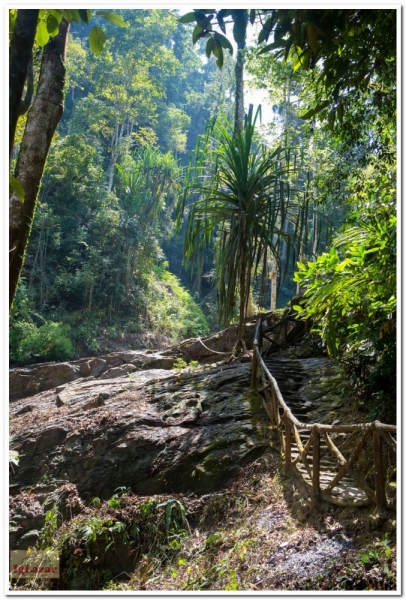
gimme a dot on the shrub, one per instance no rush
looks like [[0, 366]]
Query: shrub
[[30, 344]]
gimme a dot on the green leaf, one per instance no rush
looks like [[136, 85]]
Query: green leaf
[[252, 16], [268, 47], [42, 35], [84, 16], [203, 21], [218, 53], [297, 308], [16, 187], [221, 15], [240, 28], [196, 33], [188, 18], [209, 46], [73, 15], [263, 36], [52, 25], [313, 111], [113, 18], [223, 41], [97, 39]]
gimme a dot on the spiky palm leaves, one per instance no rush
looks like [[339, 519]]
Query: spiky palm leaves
[[244, 199]]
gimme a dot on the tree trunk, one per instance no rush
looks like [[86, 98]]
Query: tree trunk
[[244, 291], [239, 89], [42, 121], [19, 58]]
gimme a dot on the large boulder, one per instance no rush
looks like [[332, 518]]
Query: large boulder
[[155, 432], [34, 379]]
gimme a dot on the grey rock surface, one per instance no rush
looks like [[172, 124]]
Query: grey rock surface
[[155, 432]]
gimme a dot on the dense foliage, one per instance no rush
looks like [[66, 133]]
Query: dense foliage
[[351, 294], [104, 266], [95, 267]]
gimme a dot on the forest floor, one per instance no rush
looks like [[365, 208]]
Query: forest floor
[[260, 535]]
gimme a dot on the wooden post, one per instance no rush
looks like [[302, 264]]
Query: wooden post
[[257, 344], [276, 408], [316, 464], [260, 337], [379, 471], [288, 444], [254, 367]]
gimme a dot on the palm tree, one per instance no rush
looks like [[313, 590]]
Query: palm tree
[[244, 199]]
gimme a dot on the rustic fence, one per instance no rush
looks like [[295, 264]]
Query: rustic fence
[[310, 449]]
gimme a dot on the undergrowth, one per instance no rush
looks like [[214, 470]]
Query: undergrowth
[[246, 537]]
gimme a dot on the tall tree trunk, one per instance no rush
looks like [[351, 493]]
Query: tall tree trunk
[[20, 54], [245, 285], [239, 88], [240, 18], [42, 121]]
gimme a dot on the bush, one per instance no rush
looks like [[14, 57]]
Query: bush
[[30, 344], [171, 309]]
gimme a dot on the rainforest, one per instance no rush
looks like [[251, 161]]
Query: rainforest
[[203, 219]]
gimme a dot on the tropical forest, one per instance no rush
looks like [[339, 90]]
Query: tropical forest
[[202, 300]]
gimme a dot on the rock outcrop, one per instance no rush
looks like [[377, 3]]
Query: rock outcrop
[[31, 380], [155, 431]]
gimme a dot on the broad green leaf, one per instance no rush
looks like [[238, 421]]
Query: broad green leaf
[[221, 15], [223, 41], [296, 65], [188, 18], [239, 29], [297, 308], [314, 111], [218, 53], [113, 18], [252, 16], [52, 25], [84, 16], [267, 48], [16, 187], [203, 20], [196, 33], [42, 35], [209, 46], [263, 36], [97, 39], [73, 15]]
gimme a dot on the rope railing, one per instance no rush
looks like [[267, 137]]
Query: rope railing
[[322, 485]]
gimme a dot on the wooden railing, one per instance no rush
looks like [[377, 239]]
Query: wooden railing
[[334, 485]]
